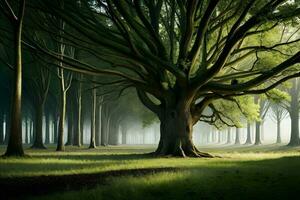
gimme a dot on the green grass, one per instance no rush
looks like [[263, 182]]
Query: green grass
[[265, 172]]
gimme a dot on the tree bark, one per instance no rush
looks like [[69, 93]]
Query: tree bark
[[176, 133], [14, 147]]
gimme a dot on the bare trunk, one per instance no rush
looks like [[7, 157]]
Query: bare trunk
[[14, 147], [38, 136], [47, 121], [70, 128], [278, 139], [294, 139], [61, 125], [1, 129], [124, 134], [55, 130], [294, 114], [98, 124], [237, 136], [78, 131], [248, 141], [93, 119], [228, 136], [257, 133], [26, 131]]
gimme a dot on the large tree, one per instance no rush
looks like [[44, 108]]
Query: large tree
[[15, 18], [181, 56]]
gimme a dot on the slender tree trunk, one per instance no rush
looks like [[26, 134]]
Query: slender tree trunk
[[31, 131], [105, 129], [294, 114], [278, 139], [55, 130], [237, 136], [93, 119], [98, 124], [219, 135], [47, 131], [61, 125], [294, 139], [124, 134], [26, 131], [257, 133], [14, 147], [70, 128], [7, 128], [78, 128], [38, 136], [248, 141], [228, 136], [1, 129]]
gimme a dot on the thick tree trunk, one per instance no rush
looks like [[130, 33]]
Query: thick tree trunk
[[176, 133], [61, 125], [278, 139], [248, 141], [93, 119], [257, 134], [14, 147], [38, 136]]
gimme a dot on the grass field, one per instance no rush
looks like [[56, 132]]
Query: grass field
[[265, 172]]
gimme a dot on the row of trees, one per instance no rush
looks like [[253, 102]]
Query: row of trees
[[187, 60]]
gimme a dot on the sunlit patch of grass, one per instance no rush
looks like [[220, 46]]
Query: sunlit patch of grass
[[81, 160]]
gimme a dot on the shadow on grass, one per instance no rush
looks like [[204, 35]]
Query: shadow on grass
[[263, 179], [258, 179], [21, 187]]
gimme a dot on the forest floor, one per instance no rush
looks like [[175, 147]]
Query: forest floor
[[126, 172]]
